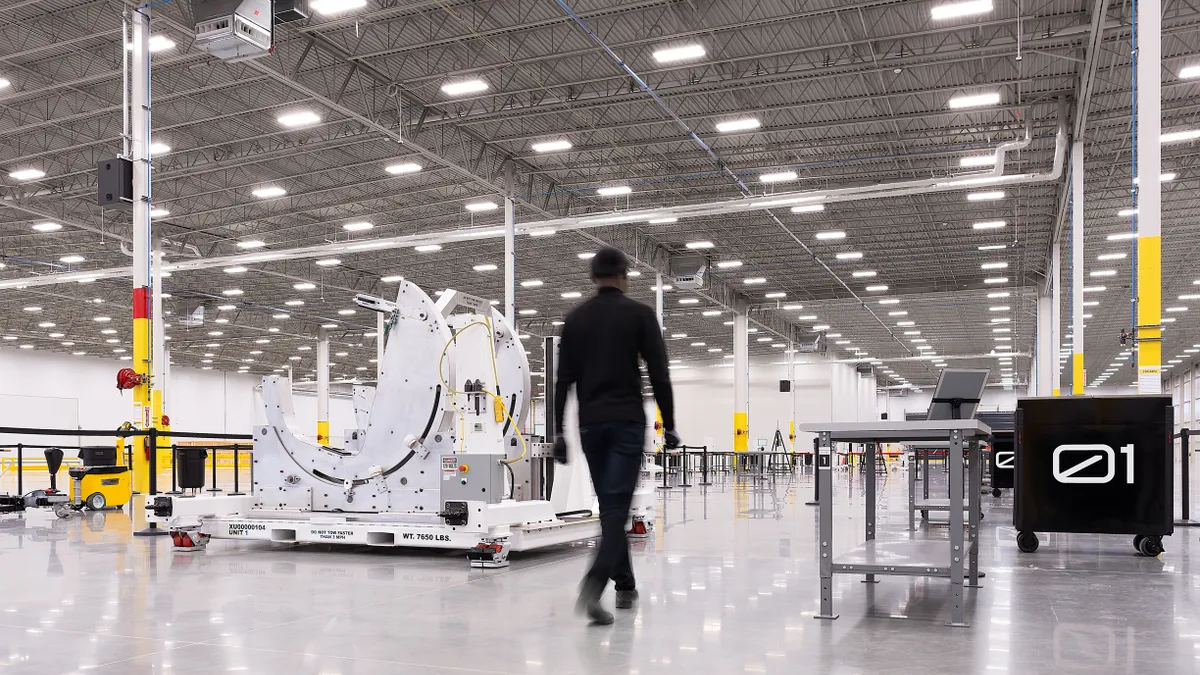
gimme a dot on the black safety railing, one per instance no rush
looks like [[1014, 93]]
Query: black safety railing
[[151, 437], [1185, 478]]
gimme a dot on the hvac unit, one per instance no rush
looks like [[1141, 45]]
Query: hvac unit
[[234, 29], [864, 370], [291, 10], [687, 271]]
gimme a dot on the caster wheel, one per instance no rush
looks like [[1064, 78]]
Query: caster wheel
[[63, 510], [1137, 543], [924, 515], [1151, 547], [996, 492], [1027, 542], [95, 502]]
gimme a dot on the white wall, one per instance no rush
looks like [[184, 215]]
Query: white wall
[[824, 391], [47, 390]]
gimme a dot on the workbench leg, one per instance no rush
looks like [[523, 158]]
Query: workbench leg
[[973, 492], [925, 472], [825, 518], [957, 550], [869, 456]]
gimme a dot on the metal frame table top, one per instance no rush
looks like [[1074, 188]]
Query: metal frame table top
[[936, 558]]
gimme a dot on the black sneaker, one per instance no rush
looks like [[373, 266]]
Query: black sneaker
[[589, 604], [625, 599]]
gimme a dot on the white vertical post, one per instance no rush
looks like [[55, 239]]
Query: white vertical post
[[1045, 352], [510, 249], [140, 151], [741, 380], [323, 386], [380, 329], [658, 301], [1149, 196], [1056, 319], [1077, 270]]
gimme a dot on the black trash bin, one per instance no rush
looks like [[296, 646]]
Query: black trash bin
[[98, 455], [1100, 464], [189, 470]]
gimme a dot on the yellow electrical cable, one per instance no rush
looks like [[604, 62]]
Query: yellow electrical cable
[[496, 398]]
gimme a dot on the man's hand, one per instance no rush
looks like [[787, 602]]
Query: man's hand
[[560, 450], [671, 439]]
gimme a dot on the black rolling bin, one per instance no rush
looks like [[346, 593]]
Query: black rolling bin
[[1095, 464]]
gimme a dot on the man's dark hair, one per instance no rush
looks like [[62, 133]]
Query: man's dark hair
[[609, 263]]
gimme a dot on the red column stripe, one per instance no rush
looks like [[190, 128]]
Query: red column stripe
[[141, 303]]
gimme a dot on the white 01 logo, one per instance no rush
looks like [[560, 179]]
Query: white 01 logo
[[1095, 453], [1004, 459]]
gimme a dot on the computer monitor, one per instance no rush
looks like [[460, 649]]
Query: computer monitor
[[957, 394]]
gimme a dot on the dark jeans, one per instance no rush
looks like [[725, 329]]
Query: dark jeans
[[614, 456]]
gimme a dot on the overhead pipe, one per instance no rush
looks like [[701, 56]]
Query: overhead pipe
[[594, 220]]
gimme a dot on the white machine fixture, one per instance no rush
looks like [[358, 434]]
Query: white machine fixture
[[433, 465]]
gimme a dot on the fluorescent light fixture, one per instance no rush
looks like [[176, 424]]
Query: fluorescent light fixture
[[711, 312], [855, 255], [754, 281], [463, 87], [527, 312], [392, 279], [904, 324], [681, 53], [775, 296], [1092, 303], [993, 247], [1126, 212], [985, 196], [551, 146], [235, 270], [304, 286], [1189, 72], [663, 221], [27, 174], [614, 190], [1001, 319], [159, 213], [1189, 296], [834, 234], [357, 226], [1165, 177], [571, 295], [877, 289], [47, 227], [157, 43], [744, 124], [863, 274], [1111, 256], [1177, 309], [232, 292], [268, 192], [1122, 236], [996, 280], [403, 168], [1001, 294], [818, 328], [975, 100], [777, 177], [4, 83], [328, 262], [807, 317], [999, 308], [1177, 136], [159, 148], [532, 283], [299, 118], [808, 208], [102, 319], [475, 207], [973, 161], [542, 233], [1103, 273], [69, 259], [729, 264], [900, 312], [989, 225], [699, 245], [889, 301], [427, 248], [689, 301], [994, 266], [486, 267]]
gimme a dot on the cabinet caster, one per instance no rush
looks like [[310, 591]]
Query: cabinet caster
[[996, 492], [1137, 542], [1151, 546], [1027, 542]]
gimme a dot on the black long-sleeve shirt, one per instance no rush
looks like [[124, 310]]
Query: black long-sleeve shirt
[[598, 353]]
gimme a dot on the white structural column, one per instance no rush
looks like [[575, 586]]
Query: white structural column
[[380, 343], [741, 380], [140, 150], [323, 386], [158, 338], [1045, 351], [510, 249], [1056, 319], [1077, 269], [658, 301], [1149, 196]]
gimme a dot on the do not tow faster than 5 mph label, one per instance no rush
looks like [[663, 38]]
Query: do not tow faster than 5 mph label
[[449, 467]]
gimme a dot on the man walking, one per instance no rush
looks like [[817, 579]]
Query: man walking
[[598, 353]]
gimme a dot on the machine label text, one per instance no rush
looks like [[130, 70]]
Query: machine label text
[[338, 535], [421, 536], [241, 529]]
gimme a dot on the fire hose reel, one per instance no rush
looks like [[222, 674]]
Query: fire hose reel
[[128, 378]]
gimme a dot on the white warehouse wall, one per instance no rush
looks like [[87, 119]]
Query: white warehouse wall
[[824, 391], [46, 389]]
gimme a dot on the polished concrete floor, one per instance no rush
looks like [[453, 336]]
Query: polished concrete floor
[[728, 583]]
